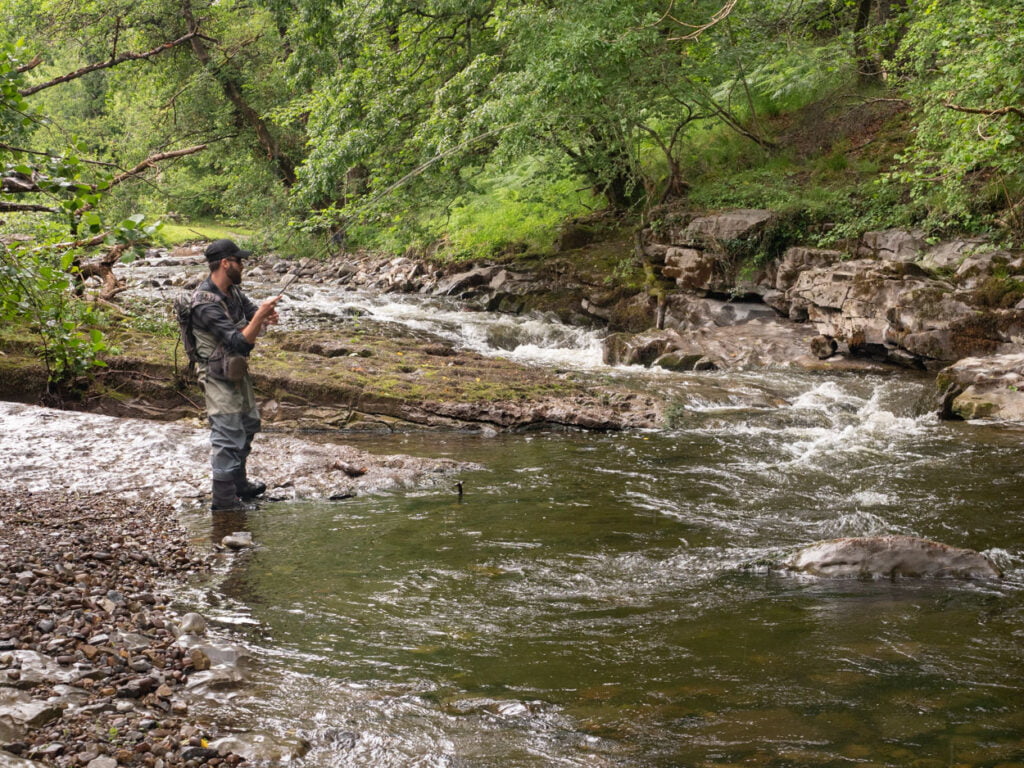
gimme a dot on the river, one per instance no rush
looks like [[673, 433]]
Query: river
[[615, 600]]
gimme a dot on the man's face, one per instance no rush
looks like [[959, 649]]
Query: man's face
[[233, 268]]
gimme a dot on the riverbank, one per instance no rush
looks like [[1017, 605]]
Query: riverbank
[[96, 666], [90, 672]]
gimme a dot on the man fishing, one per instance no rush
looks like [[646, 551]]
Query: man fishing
[[226, 324]]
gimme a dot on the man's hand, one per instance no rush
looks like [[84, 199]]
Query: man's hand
[[265, 315]]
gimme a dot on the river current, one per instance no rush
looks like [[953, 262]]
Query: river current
[[616, 600]]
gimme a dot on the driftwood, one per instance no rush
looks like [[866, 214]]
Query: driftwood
[[103, 268]]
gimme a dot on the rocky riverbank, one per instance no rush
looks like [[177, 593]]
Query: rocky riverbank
[[97, 668], [91, 671]]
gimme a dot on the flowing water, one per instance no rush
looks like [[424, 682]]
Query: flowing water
[[616, 600]]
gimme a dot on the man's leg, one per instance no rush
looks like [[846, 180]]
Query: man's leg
[[227, 442], [244, 488]]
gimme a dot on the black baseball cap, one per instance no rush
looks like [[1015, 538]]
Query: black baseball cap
[[225, 249]]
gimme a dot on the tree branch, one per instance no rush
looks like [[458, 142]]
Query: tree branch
[[989, 112], [152, 160], [7, 207], [113, 61], [68, 245], [697, 29], [36, 61]]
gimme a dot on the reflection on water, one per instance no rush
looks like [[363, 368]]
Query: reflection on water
[[607, 600]]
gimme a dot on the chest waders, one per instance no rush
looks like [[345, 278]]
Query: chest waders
[[234, 420]]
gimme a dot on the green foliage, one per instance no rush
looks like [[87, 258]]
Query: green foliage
[[512, 212], [957, 56], [37, 289]]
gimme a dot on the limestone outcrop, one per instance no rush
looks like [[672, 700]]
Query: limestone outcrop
[[984, 388]]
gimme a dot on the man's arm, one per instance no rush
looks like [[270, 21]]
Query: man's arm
[[212, 318]]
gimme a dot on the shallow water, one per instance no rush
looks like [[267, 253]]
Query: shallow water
[[614, 600], [609, 600]]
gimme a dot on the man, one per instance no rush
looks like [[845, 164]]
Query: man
[[226, 324]]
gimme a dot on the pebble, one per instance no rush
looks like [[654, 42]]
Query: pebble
[[87, 598]]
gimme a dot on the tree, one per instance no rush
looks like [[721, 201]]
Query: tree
[[38, 276], [963, 67], [418, 95]]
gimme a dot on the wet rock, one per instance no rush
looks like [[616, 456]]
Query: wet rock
[[199, 753], [891, 557], [685, 313], [258, 747], [989, 387], [102, 762], [823, 347], [461, 284], [637, 349], [9, 760], [238, 540], [193, 624], [20, 713], [679, 361]]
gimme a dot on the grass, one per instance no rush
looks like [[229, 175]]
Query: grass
[[175, 234]]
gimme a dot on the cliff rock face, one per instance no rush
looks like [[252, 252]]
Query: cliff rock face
[[890, 296]]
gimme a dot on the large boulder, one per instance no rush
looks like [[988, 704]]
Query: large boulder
[[891, 557], [637, 348], [691, 268], [867, 303], [983, 387], [741, 224], [893, 245]]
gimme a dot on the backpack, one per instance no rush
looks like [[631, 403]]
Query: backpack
[[182, 305]]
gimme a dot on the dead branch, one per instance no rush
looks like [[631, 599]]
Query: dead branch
[[697, 29], [103, 268], [11, 148], [113, 61], [36, 61], [989, 112], [67, 246], [7, 207]]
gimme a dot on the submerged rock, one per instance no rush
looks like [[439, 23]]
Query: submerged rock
[[261, 748], [889, 557]]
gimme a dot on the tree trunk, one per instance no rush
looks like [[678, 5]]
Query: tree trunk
[[233, 91], [867, 67]]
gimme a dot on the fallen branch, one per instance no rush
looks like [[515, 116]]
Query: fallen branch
[[989, 112]]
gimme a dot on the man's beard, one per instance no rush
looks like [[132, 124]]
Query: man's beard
[[235, 274]]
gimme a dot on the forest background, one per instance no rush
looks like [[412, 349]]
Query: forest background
[[475, 129]]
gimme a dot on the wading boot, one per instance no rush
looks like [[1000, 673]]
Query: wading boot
[[225, 498], [245, 489]]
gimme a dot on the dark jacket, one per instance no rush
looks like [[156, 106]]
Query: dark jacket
[[211, 318]]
